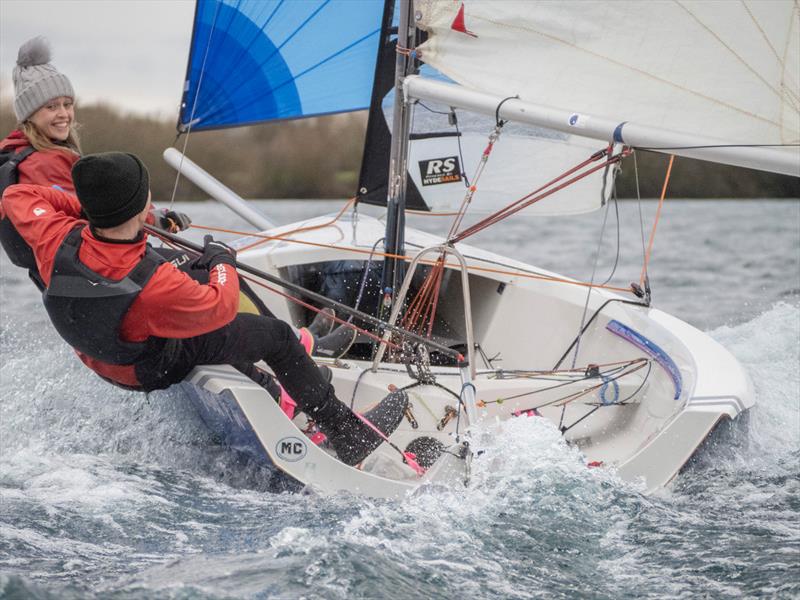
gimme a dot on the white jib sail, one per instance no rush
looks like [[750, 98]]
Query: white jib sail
[[727, 70]]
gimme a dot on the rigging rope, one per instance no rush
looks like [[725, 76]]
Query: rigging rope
[[452, 119], [462, 210], [619, 369], [187, 246], [194, 106], [628, 369], [422, 311], [543, 191], [565, 429], [594, 269], [283, 235], [646, 278], [517, 272], [655, 223]]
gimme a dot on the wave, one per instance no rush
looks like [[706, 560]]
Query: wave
[[106, 491]]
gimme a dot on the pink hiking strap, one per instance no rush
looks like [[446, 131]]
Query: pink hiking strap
[[317, 438], [306, 340], [287, 404], [409, 456]]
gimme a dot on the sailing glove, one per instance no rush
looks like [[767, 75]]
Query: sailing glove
[[215, 252], [172, 220]]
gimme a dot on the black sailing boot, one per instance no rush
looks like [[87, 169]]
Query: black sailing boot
[[335, 344], [351, 438], [323, 323]]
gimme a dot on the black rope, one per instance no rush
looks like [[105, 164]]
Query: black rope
[[452, 119], [616, 213], [608, 150], [364, 277], [498, 121], [407, 387], [460, 152], [434, 384], [617, 373], [486, 360], [562, 384], [589, 322], [429, 109], [641, 385], [355, 387], [547, 389]]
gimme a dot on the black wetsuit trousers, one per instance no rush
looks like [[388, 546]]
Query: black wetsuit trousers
[[244, 341]]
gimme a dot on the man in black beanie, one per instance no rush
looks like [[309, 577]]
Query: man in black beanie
[[139, 322], [112, 187]]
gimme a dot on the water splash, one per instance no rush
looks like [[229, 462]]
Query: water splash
[[105, 493]]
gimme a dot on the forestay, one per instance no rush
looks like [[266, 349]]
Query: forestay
[[728, 70], [260, 60]]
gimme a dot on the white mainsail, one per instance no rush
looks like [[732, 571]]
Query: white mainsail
[[725, 70]]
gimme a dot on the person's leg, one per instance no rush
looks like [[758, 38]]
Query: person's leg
[[245, 340], [260, 377], [250, 338]]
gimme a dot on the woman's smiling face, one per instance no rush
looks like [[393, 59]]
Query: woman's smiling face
[[55, 118]]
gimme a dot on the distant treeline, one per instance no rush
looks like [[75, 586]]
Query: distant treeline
[[309, 158], [320, 158]]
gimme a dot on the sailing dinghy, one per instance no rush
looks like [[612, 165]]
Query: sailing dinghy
[[484, 110]]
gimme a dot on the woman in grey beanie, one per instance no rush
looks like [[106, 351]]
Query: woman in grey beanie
[[44, 145], [44, 107]]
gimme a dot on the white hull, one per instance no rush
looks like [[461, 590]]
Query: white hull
[[530, 322]]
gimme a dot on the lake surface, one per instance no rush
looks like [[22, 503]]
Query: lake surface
[[111, 494]]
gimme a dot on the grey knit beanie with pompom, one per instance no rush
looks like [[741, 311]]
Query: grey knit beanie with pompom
[[36, 81]]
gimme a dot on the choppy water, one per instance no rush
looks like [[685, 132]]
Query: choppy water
[[105, 494]]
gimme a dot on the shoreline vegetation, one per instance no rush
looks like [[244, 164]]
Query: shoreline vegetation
[[320, 158]]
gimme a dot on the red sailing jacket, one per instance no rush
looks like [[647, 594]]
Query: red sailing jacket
[[171, 305], [46, 167]]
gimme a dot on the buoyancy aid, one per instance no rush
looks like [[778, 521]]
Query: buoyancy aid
[[87, 309], [16, 248]]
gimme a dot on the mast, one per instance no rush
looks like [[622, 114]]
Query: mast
[[395, 205]]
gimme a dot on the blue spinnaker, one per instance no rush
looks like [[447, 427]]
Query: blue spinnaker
[[261, 60]]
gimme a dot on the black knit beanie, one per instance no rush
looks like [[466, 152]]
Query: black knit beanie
[[112, 187]]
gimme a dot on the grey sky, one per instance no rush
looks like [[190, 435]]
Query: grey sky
[[130, 53]]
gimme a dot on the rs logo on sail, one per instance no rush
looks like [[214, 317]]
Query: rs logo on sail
[[440, 170]]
